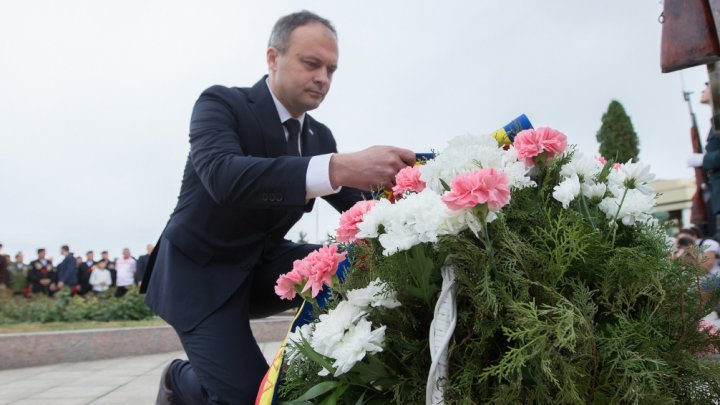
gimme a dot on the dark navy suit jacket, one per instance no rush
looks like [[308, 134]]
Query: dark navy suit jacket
[[240, 195]]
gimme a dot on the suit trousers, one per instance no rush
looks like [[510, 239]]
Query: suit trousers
[[225, 363]]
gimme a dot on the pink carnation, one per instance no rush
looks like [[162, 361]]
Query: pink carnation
[[285, 286], [322, 265], [601, 159], [532, 142], [350, 219], [408, 179], [316, 269], [478, 187]]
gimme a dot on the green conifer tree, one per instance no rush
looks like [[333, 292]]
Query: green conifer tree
[[617, 137]]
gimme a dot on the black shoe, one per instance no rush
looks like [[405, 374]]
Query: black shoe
[[165, 394]]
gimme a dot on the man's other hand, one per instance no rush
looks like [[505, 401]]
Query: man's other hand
[[369, 168]]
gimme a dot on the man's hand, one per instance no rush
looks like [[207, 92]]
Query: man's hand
[[695, 160], [369, 168]]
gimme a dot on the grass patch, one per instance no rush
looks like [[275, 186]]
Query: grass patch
[[28, 327]]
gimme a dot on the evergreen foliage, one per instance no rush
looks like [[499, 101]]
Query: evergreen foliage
[[617, 137], [555, 305]]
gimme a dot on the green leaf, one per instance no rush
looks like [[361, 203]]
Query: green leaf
[[445, 185], [333, 398], [315, 391]]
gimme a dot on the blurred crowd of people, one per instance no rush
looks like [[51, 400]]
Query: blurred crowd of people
[[693, 247], [79, 276]]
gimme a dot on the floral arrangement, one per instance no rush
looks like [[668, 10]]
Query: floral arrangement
[[563, 287]]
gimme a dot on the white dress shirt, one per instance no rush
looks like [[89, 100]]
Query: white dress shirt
[[317, 177]]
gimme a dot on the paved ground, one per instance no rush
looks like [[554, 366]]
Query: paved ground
[[126, 380]]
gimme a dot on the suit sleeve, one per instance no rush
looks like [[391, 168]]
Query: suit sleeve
[[230, 176], [346, 198]]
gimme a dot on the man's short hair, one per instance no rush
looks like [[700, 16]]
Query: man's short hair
[[280, 35], [40, 250], [65, 248], [690, 231], [89, 252], [104, 252]]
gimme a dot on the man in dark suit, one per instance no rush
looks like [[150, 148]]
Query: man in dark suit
[[84, 270], [142, 263], [256, 163], [67, 270]]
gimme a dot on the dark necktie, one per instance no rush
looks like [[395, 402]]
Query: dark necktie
[[293, 127]]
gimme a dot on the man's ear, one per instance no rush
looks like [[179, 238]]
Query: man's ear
[[271, 56]]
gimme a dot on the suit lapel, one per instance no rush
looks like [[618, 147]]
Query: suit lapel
[[309, 140], [261, 102]]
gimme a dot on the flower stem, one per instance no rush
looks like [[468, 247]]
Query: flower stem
[[584, 203], [491, 252], [617, 213]]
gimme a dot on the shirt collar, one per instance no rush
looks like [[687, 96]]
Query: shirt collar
[[282, 111]]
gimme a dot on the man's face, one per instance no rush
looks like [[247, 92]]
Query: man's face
[[19, 258], [126, 253], [301, 77], [705, 95], [105, 256], [90, 256], [41, 254]]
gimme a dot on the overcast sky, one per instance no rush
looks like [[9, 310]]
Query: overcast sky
[[97, 95]]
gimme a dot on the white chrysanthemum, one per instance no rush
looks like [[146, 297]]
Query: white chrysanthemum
[[417, 218], [372, 220], [518, 175], [294, 340], [359, 340], [331, 327], [585, 167], [636, 207], [567, 190], [638, 176], [376, 294], [594, 191], [463, 154]]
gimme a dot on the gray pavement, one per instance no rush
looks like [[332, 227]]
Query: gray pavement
[[124, 380]]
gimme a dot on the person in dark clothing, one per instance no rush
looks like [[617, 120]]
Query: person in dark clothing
[[42, 275], [710, 162], [4, 275], [110, 266], [142, 263], [84, 271], [67, 270]]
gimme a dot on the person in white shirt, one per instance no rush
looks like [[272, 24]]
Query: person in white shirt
[[125, 267], [100, 278]]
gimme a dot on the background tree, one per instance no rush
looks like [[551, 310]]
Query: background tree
[[617, 137]]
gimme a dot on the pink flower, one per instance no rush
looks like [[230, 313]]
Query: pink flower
[[350, 219], [408, 179], [285, 286], [617, 166], [478, 187], [322, 265], [530, 143], [601, 159], [708, 328], [316, 269]]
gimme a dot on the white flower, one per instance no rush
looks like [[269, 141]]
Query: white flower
[[372, 220], [585, 167], [294, 340], [636, 207], [463, 154], [567, 190], [376, 294], [331, 327], [359, 340], [637, 175], [594, 190], [417, 218]]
